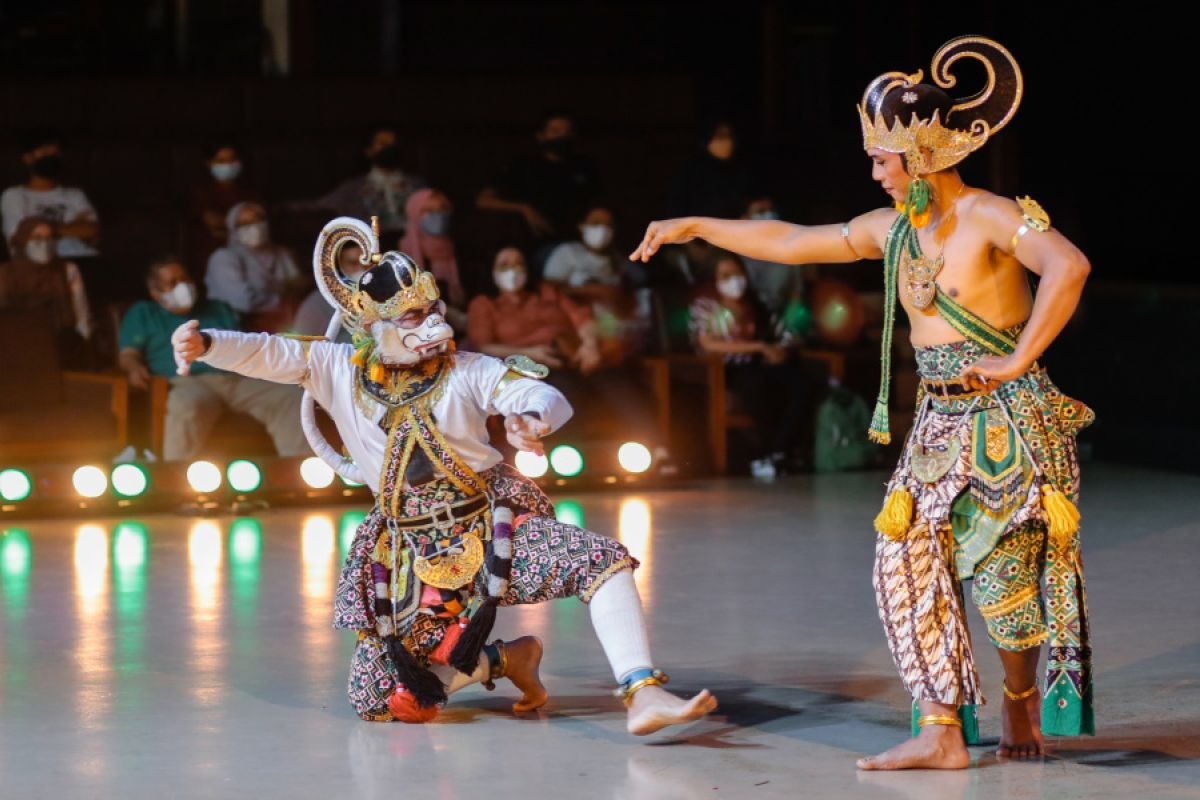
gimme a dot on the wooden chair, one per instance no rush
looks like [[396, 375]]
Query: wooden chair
[[48, 414], [720, 415]]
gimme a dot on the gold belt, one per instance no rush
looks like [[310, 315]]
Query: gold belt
[[443, 516]]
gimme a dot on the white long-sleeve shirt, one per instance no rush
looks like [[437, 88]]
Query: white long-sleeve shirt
[[470, 395]]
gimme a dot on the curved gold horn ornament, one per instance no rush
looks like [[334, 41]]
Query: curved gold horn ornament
[[934, 144], [339, 290], [998, 101]]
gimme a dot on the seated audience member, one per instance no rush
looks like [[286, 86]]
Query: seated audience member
[[728, 320], [43, 195], [312, 318], [427, 241], [554, 330], [37, 276], [714, 182], [590, 271], [383, 191], [776, 285], [549, 188], [257, 278], [211, 200], [197, 400]]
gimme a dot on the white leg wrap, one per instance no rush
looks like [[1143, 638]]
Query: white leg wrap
[[620, 625]]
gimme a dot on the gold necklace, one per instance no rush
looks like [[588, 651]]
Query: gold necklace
[[921, 272]]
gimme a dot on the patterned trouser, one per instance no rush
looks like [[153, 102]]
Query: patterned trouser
[[1006, 590], [551, 560]]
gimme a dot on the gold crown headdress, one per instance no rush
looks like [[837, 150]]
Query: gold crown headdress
[[409, 286], [934, 144]]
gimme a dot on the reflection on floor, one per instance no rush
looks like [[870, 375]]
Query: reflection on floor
[[167, 656]]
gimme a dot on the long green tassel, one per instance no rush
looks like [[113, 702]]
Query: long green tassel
[[896, 240]]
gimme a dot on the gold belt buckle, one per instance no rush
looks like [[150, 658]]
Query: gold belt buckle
[[442, 516]]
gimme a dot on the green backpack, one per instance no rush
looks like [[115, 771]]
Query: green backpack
[[841, 432]]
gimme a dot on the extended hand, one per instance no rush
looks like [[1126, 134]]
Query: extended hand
[[668, 231], [525, 432], [188, 345], [990, 371]]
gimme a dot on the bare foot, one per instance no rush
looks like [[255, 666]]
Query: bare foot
[[937, 747], [654, 708], [1022, 728], [524, 659]]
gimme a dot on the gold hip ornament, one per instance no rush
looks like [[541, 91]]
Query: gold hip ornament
[[928, 466], [452, 570]]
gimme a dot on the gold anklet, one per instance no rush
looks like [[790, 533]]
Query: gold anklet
[[939, 719], [626, 692], [1014, 696]]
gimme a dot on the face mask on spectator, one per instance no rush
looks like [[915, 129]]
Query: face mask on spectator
[[181, 298], [226, 172], [510, 280], [254, 234], [47, 166], [596, 237], [387, 157], [768, 214], [436, 223], [40, 251], [732, 287]]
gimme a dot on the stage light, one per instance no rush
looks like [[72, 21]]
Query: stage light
[[14, 485], [348, 527], [570, 512], [204, 477], [634, 457], [566, 460], [243, 476], [129, 480], [316, 473], [89, 481], [531, 465]]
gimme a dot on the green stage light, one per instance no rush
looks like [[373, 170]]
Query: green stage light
[[129, 480], [15, 485], [566, 460], [243, 476]]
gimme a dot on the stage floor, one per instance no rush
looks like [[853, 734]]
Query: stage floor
[[171, 657]]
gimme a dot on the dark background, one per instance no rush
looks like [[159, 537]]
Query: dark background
[[138, 88]]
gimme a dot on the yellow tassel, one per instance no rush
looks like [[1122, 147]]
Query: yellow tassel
[[901, 207], [921, 220], [377, 373], [896, 517], [1062, 514]]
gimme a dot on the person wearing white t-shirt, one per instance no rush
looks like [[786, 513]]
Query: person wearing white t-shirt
[[76, 224]]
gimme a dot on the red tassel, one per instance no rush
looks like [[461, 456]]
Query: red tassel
[[404, 707]]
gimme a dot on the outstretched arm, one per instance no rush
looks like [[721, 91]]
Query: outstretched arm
[[772, 240], [255, 355], [1063, 270]]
